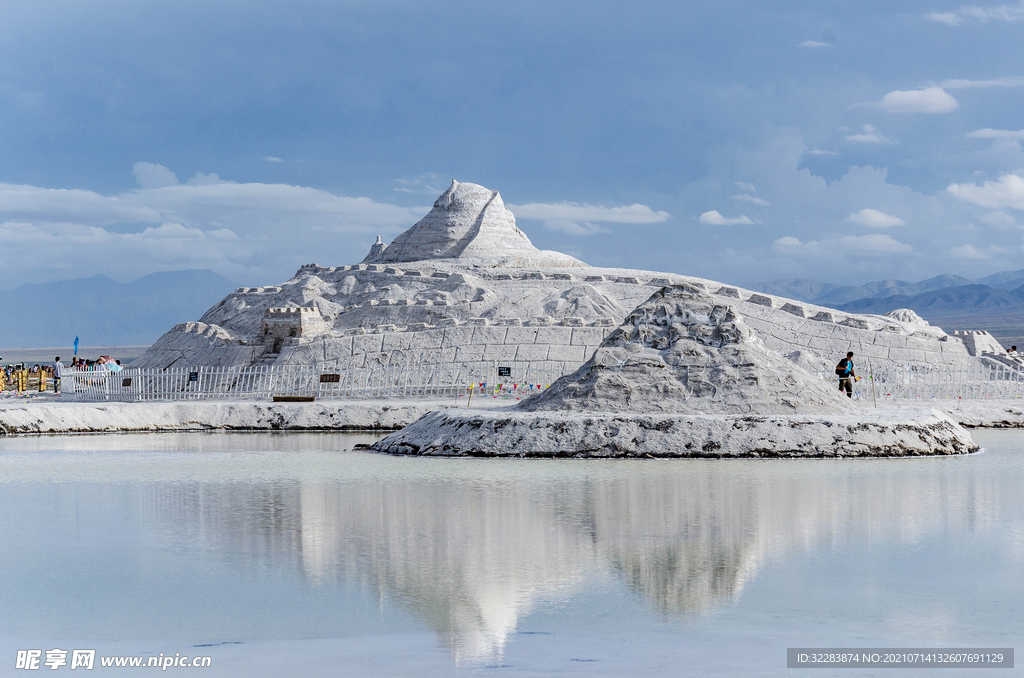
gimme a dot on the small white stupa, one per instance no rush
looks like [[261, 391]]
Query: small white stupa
[[376, 250]]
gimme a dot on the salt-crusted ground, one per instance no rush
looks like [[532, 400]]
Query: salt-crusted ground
[[51, 416], [979, 413]]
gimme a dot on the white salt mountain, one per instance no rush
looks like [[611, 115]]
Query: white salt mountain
[[682, 351], [465, 284], [683, 377], [469, 222]]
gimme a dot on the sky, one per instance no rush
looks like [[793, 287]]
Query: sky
[[735, 141]]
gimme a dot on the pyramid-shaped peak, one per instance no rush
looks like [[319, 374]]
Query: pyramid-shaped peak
[[684, 352], [462, 194], [469, 221]]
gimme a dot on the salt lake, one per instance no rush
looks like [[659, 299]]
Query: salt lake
[[293, 554]]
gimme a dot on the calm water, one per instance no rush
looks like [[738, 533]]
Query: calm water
[[291, 555]]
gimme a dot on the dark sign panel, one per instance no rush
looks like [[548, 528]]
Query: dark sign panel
[[193, 376], [330, 378], [126, 382], [504, 371]]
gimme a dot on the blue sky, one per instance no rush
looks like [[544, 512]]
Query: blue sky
[[736, 141]]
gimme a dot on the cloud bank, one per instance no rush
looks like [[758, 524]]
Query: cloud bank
[[1010, 13], [874, 245], [1007, 191], [875, 219], [714, 218], [582, 219], [931, 100], [243, 231]]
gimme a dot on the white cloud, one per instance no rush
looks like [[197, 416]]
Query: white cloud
[[744, 186], [948, 18], [580, 219], [870, 136], [813, 43], [714, 218], [1010, 81], [751, 199], [1007, 191], [273, 158], [1000, 220], [930, 100], [818, 151], [973, 253], [429, 183], [997, 134], [1009, 13], [241, 230], [875, 219], [574, 227], [201, 179], [571, 211], [148, 175], [874, 244]]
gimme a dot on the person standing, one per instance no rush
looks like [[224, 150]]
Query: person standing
[[846, 374], [58, 370]]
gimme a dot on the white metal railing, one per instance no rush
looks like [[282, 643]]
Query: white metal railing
[[902, 381], [484, 378], [395, 380]]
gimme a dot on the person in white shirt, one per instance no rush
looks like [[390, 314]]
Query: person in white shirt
[[58, 369]]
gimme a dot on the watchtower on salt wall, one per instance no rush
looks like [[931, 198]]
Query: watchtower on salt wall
[[292, 327]]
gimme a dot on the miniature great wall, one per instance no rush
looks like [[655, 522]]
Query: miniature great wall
[[465, 284]]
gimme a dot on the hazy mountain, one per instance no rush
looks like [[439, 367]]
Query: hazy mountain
[[104, 312], [1002, 279], [952, 302], [945, 302], [968, 307], [802, 289], [828, 294]]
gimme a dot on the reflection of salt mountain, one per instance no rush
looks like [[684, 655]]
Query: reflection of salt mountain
[[472, 553], [683, 546], [470, 562]]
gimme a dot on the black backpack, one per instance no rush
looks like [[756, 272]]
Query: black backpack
[[841, 367]]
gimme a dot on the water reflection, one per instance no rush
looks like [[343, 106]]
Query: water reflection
[[472, 546]]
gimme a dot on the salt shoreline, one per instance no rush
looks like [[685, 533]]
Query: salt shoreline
[[52, 417]]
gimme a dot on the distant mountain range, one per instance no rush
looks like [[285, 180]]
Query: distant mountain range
[[104, 312], [994, 303], [827, 294]]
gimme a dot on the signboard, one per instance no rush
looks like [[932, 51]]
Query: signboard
[[126, 382], [330, 378], [504, 371], [193, 376]]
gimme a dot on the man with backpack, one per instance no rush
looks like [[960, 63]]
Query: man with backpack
[[844, 370]]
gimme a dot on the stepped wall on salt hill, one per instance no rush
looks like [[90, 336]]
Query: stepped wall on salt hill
[[466, 284]]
